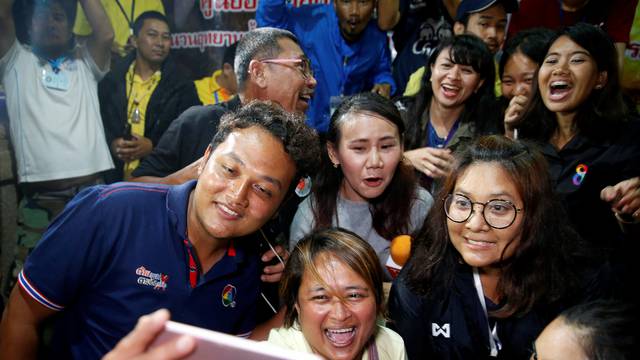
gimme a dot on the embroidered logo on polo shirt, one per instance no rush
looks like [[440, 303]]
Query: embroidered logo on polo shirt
[[156, 280], [443, 330], [581, 172], [229, 296]]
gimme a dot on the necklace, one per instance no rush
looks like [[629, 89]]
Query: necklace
[[134, 98]]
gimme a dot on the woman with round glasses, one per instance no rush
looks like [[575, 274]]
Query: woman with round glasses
[[494, 262]]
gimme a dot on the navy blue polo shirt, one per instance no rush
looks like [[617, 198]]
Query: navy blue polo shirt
[[117, 252]]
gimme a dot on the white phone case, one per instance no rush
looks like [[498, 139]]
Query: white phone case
[[213, 345]]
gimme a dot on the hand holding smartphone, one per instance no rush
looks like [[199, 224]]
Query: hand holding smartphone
[[126, 134]]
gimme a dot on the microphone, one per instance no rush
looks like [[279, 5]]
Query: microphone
[[400, 250]]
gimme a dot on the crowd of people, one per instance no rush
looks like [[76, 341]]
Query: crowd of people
[[263, 201]]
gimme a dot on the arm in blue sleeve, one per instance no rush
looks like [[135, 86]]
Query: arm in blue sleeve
[[274, 13], [382, 74], [71, 252]]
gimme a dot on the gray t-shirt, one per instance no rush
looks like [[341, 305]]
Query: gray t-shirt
[[356, 216]]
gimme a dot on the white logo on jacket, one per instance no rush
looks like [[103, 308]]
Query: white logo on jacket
[[443, 330]]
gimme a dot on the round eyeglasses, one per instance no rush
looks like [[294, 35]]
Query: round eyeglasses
[[498, 214], [303, 65]]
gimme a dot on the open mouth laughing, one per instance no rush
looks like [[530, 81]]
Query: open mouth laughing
[[341, 337], [450, 90], [559, 90]]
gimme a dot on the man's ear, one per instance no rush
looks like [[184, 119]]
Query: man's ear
[[205, 159], [257, 73], [130, 40], [133, 40], [333, 153], [458, 28]]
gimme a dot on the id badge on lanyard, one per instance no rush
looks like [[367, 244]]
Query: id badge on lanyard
[[54, 78]]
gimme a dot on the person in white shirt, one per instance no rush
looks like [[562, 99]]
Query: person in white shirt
[[54, 115]]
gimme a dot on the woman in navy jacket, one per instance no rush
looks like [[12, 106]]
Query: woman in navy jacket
[[589, 139], [494, 262]]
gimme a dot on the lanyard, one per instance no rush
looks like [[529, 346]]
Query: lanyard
[[129, 19], [56, 63], [435, 141], [194, 272], [494, 341]]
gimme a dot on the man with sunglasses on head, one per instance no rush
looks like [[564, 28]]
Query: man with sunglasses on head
[[348, 52], [175, 158]]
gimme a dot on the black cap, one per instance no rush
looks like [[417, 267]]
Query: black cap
[[467, 7]]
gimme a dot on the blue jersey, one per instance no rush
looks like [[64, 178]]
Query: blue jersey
[[118, 252], [340, 67]]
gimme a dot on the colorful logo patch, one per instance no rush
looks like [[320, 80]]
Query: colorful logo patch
[[229, 296], [581, 172], [304, 187], [156, 280]]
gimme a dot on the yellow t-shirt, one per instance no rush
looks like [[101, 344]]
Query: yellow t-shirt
[[118, 20], [413, 85], [209, 91], [138, 95], [497, 89]]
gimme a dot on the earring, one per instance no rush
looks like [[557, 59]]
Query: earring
[[335, 165], [599, 86]]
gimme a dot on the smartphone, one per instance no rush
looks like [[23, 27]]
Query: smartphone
[[213, 345], [126, 133]]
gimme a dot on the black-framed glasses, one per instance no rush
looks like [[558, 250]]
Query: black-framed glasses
[[303, 65], [498, 214]]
